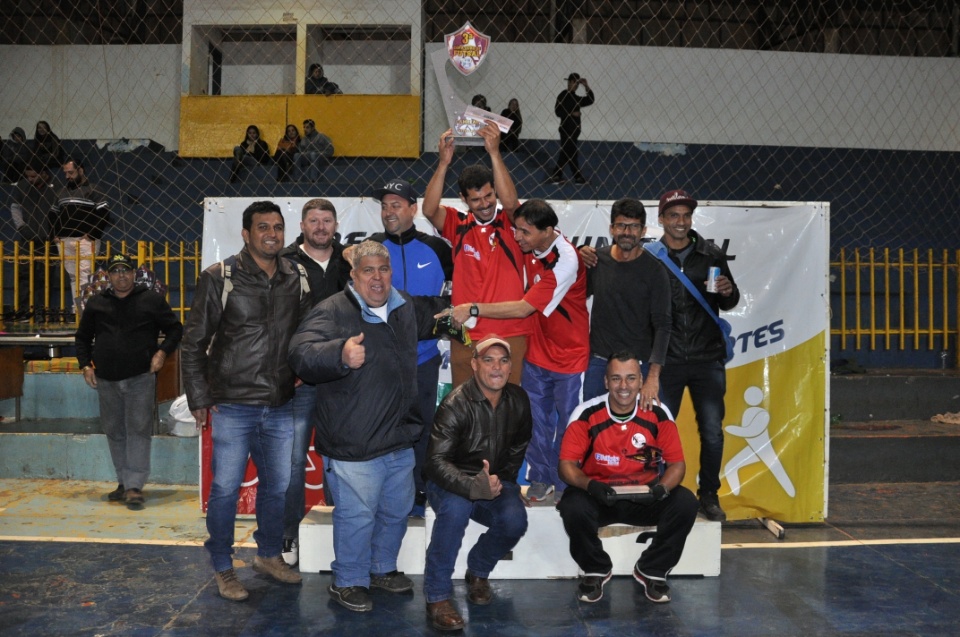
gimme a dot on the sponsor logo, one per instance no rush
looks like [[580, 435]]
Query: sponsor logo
[[638, 440], [421, 266], [471, 251], [604, 459], [760, 337]]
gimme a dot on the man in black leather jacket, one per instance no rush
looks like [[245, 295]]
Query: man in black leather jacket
[[479, 438], [695, 357], [234, 363]]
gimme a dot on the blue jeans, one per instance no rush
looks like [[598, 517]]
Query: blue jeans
[[505, 518], [596, 371], [266, 435], [707, 383], [553, 397], [126, 415], [373, 498], [304, 402]]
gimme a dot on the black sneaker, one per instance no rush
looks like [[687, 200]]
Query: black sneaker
[[656, 590], [591, 587], [394, 582], [710, 507], [355, 598], [117, 495]]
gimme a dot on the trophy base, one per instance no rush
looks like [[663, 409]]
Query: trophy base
[[467, 140]]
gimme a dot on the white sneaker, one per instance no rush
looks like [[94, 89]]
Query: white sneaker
[[538, 491], [291, 551]]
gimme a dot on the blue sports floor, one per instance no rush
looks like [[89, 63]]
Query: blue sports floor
[[887, 562]]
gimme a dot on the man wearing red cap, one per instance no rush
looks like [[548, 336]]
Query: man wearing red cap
[[477, 444], [697, 351]]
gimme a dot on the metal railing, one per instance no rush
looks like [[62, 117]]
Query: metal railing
[[176, 265], [901, 299]]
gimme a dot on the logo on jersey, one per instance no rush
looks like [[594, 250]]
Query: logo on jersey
[[638, 440], [604, 459], [471, 251]]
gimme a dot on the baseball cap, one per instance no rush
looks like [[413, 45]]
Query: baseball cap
[[396, 187], [574, 77], [489, 342], [673, 198], [118, 261]]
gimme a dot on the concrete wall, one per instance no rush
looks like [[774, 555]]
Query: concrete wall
[[713, 96], [92, 92], [691, 96]]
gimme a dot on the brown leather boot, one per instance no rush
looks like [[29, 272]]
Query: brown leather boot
[[478, 590], [444, 616]]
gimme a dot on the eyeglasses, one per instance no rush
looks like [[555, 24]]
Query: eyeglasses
[[632, 227], [121, 271]]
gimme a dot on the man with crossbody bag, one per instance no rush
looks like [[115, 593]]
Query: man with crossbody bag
[[699, 340]]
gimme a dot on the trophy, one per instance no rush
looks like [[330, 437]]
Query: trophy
[[466, 50]]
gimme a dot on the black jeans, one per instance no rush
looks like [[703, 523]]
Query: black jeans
[[583, 515], [707, 383], [569, 154]]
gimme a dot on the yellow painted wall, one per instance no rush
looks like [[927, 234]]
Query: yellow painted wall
[[359, 125]]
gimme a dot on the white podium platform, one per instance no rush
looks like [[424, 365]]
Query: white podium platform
[[543, 553]]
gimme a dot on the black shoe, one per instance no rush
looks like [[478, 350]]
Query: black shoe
[[581, 181], [557, 181], [394, 582], [117, 494], [656, 590], [355, 598], [591, 587], [134, 497], [710, 507]]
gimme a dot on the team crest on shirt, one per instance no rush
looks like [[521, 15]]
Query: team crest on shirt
[[638, 440], [471, 251]]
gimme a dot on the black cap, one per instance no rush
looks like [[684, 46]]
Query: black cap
[[120, 260], [396, 187], [573, 77]]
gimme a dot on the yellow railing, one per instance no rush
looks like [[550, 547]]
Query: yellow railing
[[177, 265], [894, 299]]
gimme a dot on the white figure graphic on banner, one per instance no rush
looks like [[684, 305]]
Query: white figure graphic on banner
[[753, 429]]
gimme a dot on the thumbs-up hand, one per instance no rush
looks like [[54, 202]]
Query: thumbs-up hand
[[354, 353], [494, 480]]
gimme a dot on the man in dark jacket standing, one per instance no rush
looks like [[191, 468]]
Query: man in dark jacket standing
[[477, 445], [80, 217], [321, 255], [361, 345], [567, 108], [695, 357], [234, 363], [118, 353]]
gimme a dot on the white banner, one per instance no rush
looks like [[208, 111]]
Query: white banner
[[776, 413]]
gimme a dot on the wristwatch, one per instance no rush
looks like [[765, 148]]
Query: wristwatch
[[474, 310]]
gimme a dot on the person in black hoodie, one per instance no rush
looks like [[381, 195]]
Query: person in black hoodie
[[118, 353]]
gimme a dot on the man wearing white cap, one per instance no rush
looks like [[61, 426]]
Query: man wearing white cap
[[479, 438]]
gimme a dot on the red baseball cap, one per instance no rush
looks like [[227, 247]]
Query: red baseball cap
[[676, 198]]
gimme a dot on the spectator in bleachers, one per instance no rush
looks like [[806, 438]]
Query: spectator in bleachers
[[316, 150], [287, 148], [16, 155], [30, 210], [318, 84], [79, 218], [46, 146], [251, 151], [480, 101], [511, 140]]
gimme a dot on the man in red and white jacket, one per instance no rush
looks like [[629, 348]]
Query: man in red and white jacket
[[609, 443]]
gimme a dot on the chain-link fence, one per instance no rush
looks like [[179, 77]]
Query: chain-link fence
[[855, 103]]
